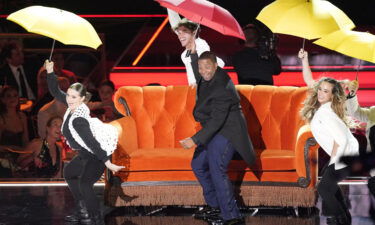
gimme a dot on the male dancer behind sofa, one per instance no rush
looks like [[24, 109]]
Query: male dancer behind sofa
[[224, 132]]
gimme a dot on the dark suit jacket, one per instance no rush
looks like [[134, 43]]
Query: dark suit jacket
[[7, 77], [219, 111]]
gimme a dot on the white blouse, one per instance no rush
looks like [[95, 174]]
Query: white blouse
[[328, 128], [200, 46]]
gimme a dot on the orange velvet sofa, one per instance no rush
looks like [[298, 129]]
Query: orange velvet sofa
[[158, 170]]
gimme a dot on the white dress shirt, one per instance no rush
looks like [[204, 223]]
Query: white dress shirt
[[200, 46], [328, 128]]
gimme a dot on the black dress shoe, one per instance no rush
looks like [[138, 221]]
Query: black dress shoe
[[332, 220], [79, 213], [206, 212], [95, 218], [235, 221], [338, 220]]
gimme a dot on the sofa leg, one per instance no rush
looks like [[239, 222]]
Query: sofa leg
[[296, 212], [256, 210]]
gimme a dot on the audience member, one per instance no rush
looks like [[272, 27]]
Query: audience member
[[105, 109], [13, 122], [15, 73], [47, 97], [46, 153]]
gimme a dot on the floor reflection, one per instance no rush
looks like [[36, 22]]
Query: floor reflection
[[48, 206]]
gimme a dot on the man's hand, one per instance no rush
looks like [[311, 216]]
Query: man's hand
[[187, 143], [191, 46], [49, 66], [353, 87]]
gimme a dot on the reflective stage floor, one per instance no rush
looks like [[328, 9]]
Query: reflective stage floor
[[47, 205]]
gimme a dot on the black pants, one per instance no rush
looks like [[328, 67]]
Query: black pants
[[81, 174], [371, 138], [330, 191]]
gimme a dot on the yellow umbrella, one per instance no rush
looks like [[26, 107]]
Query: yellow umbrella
[[360, 45], [58, 24], [309, 19]]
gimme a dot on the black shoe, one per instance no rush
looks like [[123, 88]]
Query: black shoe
[[206, 212], [332, 220], [344, 220], [338, 220], [236, 221], [79, 213], [95, 218], [220, 221]]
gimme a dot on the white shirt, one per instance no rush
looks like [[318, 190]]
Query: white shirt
[[18, 76], [366, 115], [200, 46], [328, 128]]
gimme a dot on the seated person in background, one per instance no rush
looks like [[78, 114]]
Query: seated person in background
[[105, 110], [257, 62], [42, 156], [46, 156], [13, 122], [16, 73], [51, 108], [13, 129]]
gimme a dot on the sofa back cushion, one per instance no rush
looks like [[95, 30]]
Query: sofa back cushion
[[163, 115], [272, 114]]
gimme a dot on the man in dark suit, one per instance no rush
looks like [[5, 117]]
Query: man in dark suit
[[224, 132], [13, 72]]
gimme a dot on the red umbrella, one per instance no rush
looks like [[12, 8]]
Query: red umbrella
[[206, 13]]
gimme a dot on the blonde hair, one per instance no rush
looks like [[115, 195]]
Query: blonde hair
[[311, 104]]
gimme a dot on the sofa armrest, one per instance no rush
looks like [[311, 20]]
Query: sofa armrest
[[306, 157], [127, 140]]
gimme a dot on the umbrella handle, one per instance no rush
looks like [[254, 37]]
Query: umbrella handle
[[359, 65], [53, 46], [188, 52], [303, 44]]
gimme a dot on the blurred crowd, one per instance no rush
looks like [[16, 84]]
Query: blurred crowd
[[31, 144]]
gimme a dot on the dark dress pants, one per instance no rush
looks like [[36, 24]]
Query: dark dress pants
[[329, 190], [210, 165], [81, 174]]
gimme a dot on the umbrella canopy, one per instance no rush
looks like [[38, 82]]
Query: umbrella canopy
[[360, 45], [64, 26], [309, 19], [206, 13]]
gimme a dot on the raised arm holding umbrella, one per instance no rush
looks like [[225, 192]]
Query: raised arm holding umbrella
[[196, 13]]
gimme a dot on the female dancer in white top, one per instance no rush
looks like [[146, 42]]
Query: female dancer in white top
[[94, 142], [324, 110]]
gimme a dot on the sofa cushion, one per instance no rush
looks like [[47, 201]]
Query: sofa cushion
[[179, 159]]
